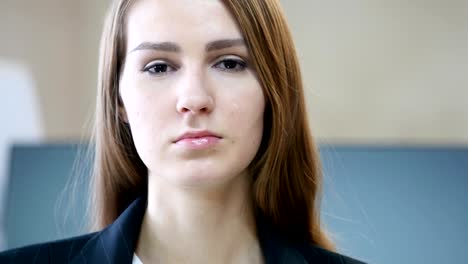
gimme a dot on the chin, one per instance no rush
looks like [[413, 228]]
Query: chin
[[203, 177]]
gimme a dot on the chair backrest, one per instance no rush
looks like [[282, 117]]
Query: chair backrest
[[40, 205], [389, 204], [20, 119], [382, 204]]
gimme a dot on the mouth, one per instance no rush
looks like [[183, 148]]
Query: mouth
[[197, 135]]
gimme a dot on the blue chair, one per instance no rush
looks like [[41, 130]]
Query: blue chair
[[382, 204]]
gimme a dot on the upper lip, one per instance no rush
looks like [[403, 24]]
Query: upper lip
[[197, 134]]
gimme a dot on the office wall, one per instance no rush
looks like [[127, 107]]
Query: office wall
[[375, 71], [42, 36], [385, 71]]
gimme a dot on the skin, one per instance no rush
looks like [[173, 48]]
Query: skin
[[199, 204]]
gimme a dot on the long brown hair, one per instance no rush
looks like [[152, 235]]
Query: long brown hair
[[287, 174]]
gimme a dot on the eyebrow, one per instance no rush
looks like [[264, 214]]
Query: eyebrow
[[224, 44], [173, 47], [162, 46]]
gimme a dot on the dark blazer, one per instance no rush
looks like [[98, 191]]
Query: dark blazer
[[116, 244]]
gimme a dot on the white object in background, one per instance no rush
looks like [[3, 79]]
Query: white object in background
[[20, 120]]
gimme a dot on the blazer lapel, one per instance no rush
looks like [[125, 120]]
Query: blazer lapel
[[275, 248], [116, 243]]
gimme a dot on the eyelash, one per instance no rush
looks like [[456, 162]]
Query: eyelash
[[239, 63]]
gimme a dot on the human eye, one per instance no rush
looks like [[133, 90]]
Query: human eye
[[158, 68], [231, 64]]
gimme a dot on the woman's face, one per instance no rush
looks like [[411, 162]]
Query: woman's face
[[190, 95]]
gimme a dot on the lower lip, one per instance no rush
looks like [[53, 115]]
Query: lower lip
[[198, 143]]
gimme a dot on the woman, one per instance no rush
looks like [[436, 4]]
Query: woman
[[203, 152]]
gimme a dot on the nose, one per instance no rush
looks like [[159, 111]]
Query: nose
[[195, 104], [194, 97]]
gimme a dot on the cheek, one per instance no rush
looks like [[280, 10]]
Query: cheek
[[246, 114], [147, 113], [145, 103], [247, 122], [139, 112], [142, 124], [148, 125]]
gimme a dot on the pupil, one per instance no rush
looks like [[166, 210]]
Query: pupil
[[230, 64], [160, 68]]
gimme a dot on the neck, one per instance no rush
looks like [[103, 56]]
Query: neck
[[188, 225]]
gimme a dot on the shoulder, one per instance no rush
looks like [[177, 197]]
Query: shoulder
[[315, 254], [278, 249], [59, 251]]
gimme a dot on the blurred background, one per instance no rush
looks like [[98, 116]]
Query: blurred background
[[387, 91]]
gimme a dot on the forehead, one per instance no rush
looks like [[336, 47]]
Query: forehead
[[180, 21]]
